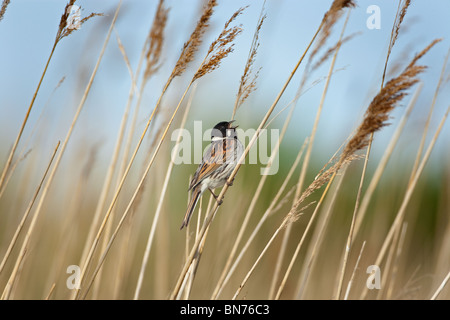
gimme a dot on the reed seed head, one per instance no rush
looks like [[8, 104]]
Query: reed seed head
[[399, 19], [375, 118], [3, 8], [71, 20], [156, 36], [329, 20], [248, 83], [221, 47], [385, 101], [195, 40]]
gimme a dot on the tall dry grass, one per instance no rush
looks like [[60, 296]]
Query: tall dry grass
[[310, 231]]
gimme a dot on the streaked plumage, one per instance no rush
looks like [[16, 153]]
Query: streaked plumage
[[219, 160]]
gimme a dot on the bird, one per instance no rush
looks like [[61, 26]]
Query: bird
[[218, 162]]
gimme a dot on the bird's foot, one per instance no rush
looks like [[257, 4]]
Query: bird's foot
[[230, 183], [219, 202]]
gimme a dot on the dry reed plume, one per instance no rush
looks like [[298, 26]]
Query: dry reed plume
[[3, 8], [399, 17], [397, 23], [329, 20], [192, 45], [220, 48], [71, 21], [248, 79], [153, 54], [375, 118]]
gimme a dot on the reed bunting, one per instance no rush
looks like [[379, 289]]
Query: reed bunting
[[219, 160]]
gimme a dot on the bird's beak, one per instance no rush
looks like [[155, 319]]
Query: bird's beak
[[229, 125]]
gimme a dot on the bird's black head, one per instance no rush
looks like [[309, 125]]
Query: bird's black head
[[223, 129]]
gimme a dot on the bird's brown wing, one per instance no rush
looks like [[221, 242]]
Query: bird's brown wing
[[212, 159]]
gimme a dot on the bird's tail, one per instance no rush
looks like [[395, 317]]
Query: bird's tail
[[194, 199]]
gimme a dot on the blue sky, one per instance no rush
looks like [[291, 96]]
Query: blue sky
[[28, 29]]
